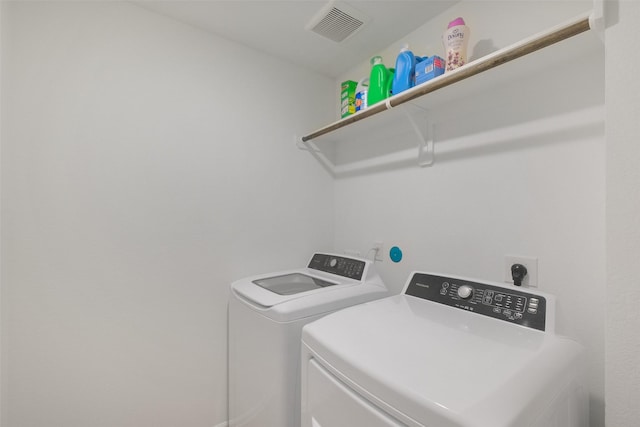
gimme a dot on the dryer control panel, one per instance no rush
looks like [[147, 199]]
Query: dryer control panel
[[502, 303], [341, 266]]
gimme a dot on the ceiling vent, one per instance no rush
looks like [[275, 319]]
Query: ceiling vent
[[337, 21]]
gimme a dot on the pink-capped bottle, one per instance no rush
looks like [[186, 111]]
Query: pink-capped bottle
[[456, 40]]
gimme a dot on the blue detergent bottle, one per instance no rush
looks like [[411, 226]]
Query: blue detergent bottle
[[404, 77]]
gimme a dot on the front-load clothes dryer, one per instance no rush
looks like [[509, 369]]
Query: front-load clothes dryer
[[266, 316], [446, 352]]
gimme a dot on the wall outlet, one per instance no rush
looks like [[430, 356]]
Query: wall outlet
[[378, 251], [531, 263]]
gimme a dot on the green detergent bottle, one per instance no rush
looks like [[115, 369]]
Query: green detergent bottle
[[380, 81]]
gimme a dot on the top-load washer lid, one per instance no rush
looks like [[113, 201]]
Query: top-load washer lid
[[266, 291], [329, 282], [431, 363], [292, 283]]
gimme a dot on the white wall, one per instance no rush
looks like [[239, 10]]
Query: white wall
[[623, 216], [145, 165], [1, 137], [521, 172], [128, 206]]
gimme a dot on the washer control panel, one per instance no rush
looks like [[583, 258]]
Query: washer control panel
[[510, 305], [341, 266]]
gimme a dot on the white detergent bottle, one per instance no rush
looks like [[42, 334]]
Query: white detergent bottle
[[361, 94], [456, 40]]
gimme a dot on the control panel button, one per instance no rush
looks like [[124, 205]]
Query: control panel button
[[333, 262], [465, 291], [445, 286]]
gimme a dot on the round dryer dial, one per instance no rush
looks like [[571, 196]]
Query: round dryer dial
[[465, 291]]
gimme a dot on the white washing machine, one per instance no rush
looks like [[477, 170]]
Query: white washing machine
[[446, 352], [266, 316]]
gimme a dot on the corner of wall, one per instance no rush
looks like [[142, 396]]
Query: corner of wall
[[2, 371]]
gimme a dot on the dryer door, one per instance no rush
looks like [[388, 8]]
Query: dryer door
[[330, 403]]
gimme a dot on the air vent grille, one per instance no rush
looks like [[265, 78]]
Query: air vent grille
[[337, 22]]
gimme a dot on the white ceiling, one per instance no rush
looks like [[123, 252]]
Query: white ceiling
[[277, 27]]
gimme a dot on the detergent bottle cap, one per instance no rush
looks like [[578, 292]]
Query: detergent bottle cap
[[362, 83], [456, 22], [405, 47], [376, 60]]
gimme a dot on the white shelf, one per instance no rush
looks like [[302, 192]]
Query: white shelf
[[376, 136]]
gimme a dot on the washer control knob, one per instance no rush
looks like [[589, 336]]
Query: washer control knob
[[465, 291], [333, 262]]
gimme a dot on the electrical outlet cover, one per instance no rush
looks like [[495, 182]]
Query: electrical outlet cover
[[531, 263], [378, 248]]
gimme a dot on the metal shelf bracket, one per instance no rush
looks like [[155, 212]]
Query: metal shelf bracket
[[304, 146], [422, 125], [317, 153]]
